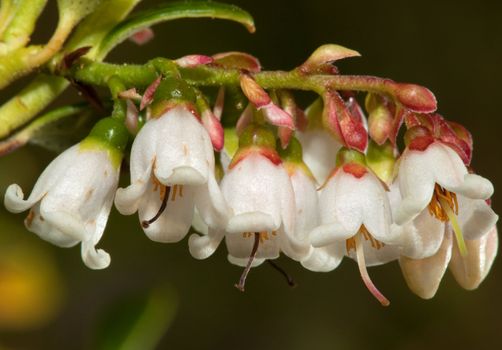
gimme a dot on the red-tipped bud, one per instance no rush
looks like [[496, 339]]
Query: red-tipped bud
[[447, 135], [149, 92], [346, 128], [142, 37], [260, 99], [191, 61], [461, 132], [254, 92], [322, 58], [214, 129], [238, 60], [277, 116], [416, 98]]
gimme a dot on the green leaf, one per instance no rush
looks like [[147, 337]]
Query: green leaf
[[23, 107], [56, 130], [137, 322], [171, 11]]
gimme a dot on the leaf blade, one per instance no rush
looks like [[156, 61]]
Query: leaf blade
[[172, 11]]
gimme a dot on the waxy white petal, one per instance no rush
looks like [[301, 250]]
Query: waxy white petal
[[419, 171], [423, 276], [71, 201], [471, 270], [254, 190], [476, 217], [421, 237], [319, 152], [347, 202], [174, 222], [202, 247], [324, 259]]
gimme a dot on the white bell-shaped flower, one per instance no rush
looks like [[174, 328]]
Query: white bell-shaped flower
[[71, 201], [259, 193], [262, 201], [430, 176], [469, 267], [355, 211], [172, 171]]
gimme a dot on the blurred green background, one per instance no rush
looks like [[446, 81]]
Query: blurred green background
[[53, 301]]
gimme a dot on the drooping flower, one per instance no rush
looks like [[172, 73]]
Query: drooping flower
[[424, 261], [322, 259], [71, 201], [259, 193], [172, 171], [355, 211], [432, 176]]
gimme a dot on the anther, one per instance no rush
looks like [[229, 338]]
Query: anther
[[242, 280], [163, 205]]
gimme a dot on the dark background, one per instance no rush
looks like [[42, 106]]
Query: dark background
[[452, 47]]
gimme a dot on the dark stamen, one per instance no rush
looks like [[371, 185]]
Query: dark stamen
[[147, 223], [242, 280], [289, 279]]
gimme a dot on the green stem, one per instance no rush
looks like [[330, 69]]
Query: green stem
[[116, 86], [140, 76]]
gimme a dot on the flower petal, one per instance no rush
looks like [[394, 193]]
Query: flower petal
[[423, 276], [50, 176], [202, 247], [93, 258], [476, 217], [127, 199], [175, 221], [211, 204], [36, 223], [324, 259], [473, 186], [328, 234], [319, 152], [253, 189], [240, 246], [471, 270], [252, 222]]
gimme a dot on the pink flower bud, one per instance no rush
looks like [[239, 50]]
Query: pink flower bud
[[343, 125], [214, 129], [322, 58], [237, 60], [142, 37], [260, 99], [149, 92], [416, 98], [191, 61]]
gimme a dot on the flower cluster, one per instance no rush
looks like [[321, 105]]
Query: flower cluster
[[316, 185]]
